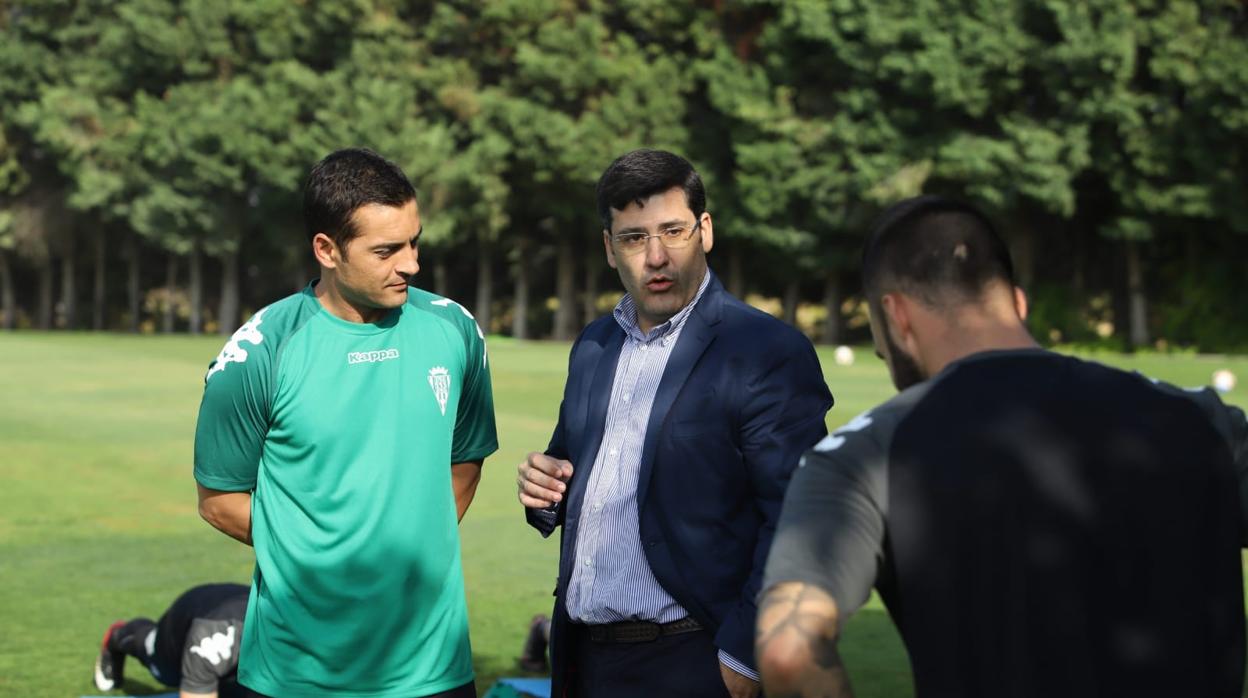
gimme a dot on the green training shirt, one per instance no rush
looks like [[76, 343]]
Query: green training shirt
[[345, 434]]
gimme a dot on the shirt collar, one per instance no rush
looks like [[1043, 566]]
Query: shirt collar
[[626, 315]]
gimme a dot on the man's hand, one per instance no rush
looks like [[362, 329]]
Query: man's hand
[[542, 480], [796, 643], [738, 686]]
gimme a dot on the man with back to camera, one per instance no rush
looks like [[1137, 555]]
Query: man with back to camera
[[1037, 525], [342, 430], [193, 647], [683, 416]]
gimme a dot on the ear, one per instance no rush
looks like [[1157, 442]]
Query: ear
[[1020, 302], [606, 243], [896, 318], [899, 321], [325, 251], [708, 233]]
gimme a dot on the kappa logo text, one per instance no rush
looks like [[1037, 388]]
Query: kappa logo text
[[368, 357]]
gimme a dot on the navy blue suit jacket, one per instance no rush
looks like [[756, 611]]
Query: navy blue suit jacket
[[741, 398]]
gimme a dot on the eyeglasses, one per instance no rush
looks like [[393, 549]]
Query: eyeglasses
[[674, 238]]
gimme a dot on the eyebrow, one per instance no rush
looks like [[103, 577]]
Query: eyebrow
[[390, 247], [639, 229]]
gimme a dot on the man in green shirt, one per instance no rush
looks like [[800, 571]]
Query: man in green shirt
[[342, 432]]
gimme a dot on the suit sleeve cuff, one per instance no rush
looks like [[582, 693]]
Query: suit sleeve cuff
[[731, 662], [549, 514], [544, 520]]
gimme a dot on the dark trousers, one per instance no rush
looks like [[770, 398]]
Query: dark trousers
[[673, 666], [468, 690], [131, 639]]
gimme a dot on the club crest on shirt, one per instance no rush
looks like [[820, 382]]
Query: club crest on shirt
[[233, 351], [440, 382]]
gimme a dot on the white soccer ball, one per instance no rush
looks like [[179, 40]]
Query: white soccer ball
[[1223, 380], [844, 356]]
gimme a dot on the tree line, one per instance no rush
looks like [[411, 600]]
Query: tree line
[[152, 151]]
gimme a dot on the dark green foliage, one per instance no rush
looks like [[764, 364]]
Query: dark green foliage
[[1095, 132]]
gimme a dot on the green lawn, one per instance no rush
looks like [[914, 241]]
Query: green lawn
[[97, 503]]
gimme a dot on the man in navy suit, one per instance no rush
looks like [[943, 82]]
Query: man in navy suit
[[683, 417]]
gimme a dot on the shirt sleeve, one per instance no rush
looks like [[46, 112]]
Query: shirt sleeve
[[1232, 426], [738, 666], [475, 434], [234, 412], [209, 654], [1239, 450], [831, 531]]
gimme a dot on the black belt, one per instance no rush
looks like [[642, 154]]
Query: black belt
[[640, 630]]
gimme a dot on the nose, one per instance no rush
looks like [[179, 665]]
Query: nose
[[656, 253], [408, 264]]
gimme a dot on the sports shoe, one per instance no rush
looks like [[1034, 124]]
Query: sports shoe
[[109, 665], [533, 656]]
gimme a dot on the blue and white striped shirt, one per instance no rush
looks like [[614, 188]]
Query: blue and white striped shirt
[[611, 579]]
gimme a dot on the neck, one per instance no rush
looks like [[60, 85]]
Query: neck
[[340, 305], [974, 335]]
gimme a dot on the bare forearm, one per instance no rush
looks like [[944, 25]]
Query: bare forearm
[[188, 694], [228, 512], [796, 644], [464, 479]]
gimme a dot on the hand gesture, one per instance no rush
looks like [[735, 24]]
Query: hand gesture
[[542, 481]]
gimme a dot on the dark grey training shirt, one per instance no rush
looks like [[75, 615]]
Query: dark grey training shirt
[[1036, 525], [199, 637]]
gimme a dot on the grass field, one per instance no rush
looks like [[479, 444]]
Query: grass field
[[98, 518]]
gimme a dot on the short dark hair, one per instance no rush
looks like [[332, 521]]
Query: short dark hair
[[636, 176], [344, 181], [937, 249]]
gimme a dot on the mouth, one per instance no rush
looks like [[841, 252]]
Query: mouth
[[659, 284]]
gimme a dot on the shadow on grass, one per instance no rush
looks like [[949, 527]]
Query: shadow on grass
[[491, 668], [873, 652], [140, 684], [875, 656]]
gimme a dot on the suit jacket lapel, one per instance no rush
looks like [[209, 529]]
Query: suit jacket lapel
[[597, 400], [695, 337]]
